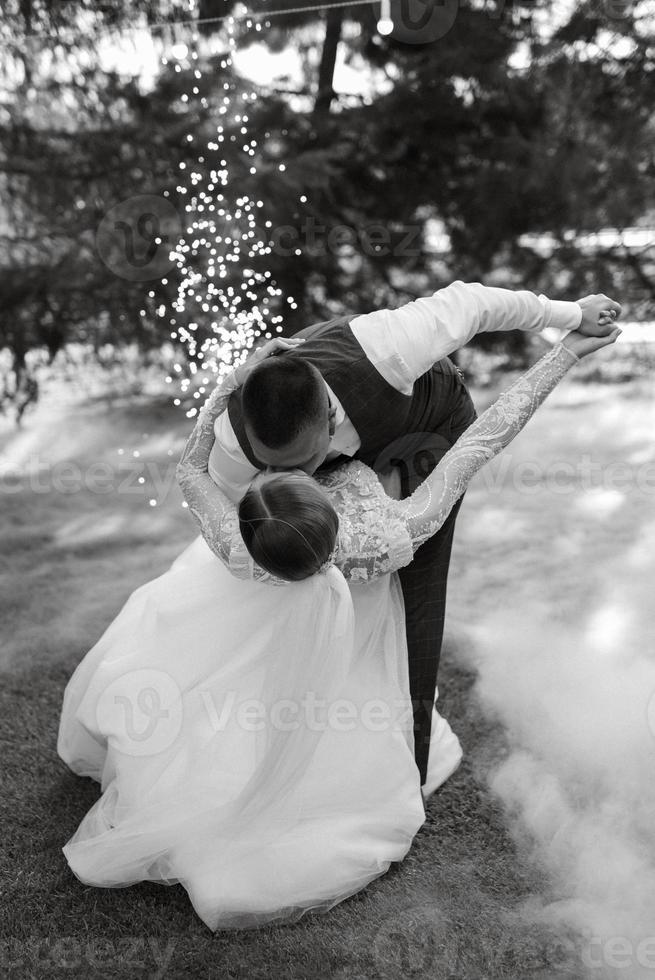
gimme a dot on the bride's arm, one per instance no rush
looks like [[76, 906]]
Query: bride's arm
[[214, 512], [428, 507], [387, 538]]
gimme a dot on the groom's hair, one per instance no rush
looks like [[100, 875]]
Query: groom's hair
[[280, 398], [288, 525]]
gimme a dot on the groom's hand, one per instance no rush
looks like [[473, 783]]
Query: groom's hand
[[275, 346], [598, 315]]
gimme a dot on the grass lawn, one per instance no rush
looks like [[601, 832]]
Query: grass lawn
[[456, 908]]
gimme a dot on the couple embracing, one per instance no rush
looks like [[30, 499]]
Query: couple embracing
[[292, 649]]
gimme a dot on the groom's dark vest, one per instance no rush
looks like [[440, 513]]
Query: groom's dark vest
[[377, 410]]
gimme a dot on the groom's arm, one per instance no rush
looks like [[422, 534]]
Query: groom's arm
[[404, 343]]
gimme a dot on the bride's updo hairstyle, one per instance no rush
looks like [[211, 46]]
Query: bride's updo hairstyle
[[288, 525]]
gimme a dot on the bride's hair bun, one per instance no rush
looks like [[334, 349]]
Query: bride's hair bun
[[289, 526]]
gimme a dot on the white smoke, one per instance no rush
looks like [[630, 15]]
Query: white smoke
[[559, 582], [575, 692]]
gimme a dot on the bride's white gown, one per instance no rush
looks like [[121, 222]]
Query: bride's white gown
[[164, 711], [254, 743]]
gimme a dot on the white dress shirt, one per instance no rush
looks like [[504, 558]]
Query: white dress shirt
[[402, 345]]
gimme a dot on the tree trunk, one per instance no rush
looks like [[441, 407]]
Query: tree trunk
[[325, 94], [633, 263]]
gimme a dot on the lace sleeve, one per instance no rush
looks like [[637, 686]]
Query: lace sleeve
[[373, 538], [214, 512], [428, 507], [368, 555]]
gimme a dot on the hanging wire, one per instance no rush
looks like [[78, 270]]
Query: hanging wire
[[248, 15], [264, 15]]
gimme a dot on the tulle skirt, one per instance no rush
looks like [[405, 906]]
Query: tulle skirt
[[253, 743]]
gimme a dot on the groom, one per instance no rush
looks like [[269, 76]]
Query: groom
[[381, 388]]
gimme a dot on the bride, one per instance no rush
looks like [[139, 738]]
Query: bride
[[254, 743]]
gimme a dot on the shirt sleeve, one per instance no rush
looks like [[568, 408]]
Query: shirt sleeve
[[227, 465], [403, 344]]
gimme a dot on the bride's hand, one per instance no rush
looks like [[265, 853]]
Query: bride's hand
[[581, 344], [275, 346]]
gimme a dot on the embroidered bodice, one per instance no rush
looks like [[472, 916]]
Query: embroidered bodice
[[377, 534]]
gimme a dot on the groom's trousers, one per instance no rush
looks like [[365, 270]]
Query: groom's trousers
[[442, 414]]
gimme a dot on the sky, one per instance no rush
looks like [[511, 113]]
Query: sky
[[139, 55]]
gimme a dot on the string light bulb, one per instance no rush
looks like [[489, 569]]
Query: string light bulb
[[385, 23]]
